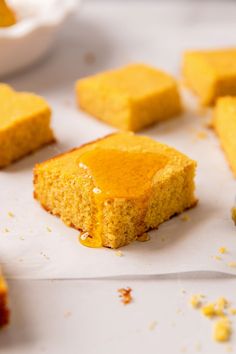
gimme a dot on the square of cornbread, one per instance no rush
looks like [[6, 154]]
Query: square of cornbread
[[210, 73], [129, 98], [24, 124], [224, 123], [4, 310], [116, 188]]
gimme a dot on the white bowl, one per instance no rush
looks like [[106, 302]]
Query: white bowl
[[34, 33]]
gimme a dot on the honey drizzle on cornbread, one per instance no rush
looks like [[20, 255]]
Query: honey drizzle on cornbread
[[7, 16], [118, 174]]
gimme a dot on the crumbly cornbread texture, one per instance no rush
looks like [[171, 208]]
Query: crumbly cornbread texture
[[7, 16], [129, 98], [224, 123], [4, 310], [116, 188], [210, 73], [24, 124]]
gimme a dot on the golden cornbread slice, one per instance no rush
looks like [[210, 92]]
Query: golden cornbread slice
[[4, 310], [129, 98], [7, 16], [210, 73], [24, 124], [116, 188], [224, 123]]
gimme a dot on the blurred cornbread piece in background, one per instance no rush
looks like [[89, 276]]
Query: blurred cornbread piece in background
[[210, 73], [224, 123], [4, 310], [24, 124], [7, 16], [116, 188], [129, 98]]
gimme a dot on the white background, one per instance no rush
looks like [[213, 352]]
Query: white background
[[116, 34]]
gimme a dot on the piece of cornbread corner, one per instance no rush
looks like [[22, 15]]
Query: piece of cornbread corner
[[210, 73], [24, 124], [4, 310], [116, 188], [129, 98], [224, 123]]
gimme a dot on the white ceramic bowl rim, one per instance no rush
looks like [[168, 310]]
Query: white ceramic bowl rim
[[37, 13]]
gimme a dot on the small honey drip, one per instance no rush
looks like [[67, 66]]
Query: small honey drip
[[118, 174]]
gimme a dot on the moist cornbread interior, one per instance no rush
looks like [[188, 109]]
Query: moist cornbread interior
[[131, 97], [24, 124], [210, 73], [224, 123], [79, 187]]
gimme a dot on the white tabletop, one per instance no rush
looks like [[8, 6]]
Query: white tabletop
[[86, 316]]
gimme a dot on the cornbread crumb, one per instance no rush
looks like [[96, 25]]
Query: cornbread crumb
[[185, 217], [144, 237], [232, 311], [10, 214], [209, 310], [119, 253], [232, 264], [201, 135], [222, 330], [233, 214], [198, 347], [218, 258], [196, 301], [223, 250], [229, 348], [215, 309], [125, 294], [152, 326]]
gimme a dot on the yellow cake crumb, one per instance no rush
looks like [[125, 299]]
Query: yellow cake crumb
[[196, 301], [152, 326], [144, 237], [232, 264], [222, 330], [185, 217], [119, 253], [209, 310], [232, 311], [222, 250], [201, 135], [218, 258], [233, 214]]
